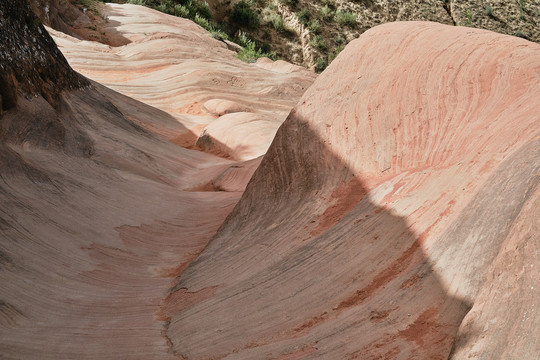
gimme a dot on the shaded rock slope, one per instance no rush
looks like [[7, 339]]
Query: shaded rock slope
[[393, 217], [32, 67], [98, 212]]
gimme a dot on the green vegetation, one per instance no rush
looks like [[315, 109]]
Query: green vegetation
[[333, 54], [166, 8], [468, 14], [34, 24], [181, 11], [332, 3], [250, 52], [326, 13], [187, 9], [489, 10], [320, 64], [323, 61], [276, 21], [521, 9], [520, 34], [315, 27], [245, 15], [268, 22], [304, 16], [318, 42], [345, 18], [208, 25], [202, 22]]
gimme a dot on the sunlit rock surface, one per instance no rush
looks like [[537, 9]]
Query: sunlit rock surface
[[175, 65]]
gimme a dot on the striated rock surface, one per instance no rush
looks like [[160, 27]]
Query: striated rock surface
[[393, 217], [99, 209], [175, 65]]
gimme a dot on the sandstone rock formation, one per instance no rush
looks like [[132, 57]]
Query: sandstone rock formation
[[99, 209], [175, 65], [393, 217]]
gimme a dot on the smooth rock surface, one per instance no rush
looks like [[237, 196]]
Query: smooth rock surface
[[239, 136], [219, 107]]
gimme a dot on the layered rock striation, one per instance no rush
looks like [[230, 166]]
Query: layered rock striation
[[175, 65], [100, 207], [392, 217]]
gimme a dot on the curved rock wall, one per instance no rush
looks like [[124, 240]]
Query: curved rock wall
[[371, 226]]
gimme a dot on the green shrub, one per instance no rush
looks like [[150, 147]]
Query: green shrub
[[489, 10], [522, 9], [197, 11], [320, 64], [520, 34], [468, 14], [318, 42], [326, 13], [189, 9], [242, 39], [203, 22], [276, 20], [345, 18], [315, 26], [166, 6], [181, 11], [304, 16], [203, 9], [333, 54], [219, 34], [245, 15], [250, 52], [207, 24], [163, 8]]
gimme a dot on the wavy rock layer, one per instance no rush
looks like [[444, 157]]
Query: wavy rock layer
[[99, 213], [175, 65], [393, 216], [89, 244]]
